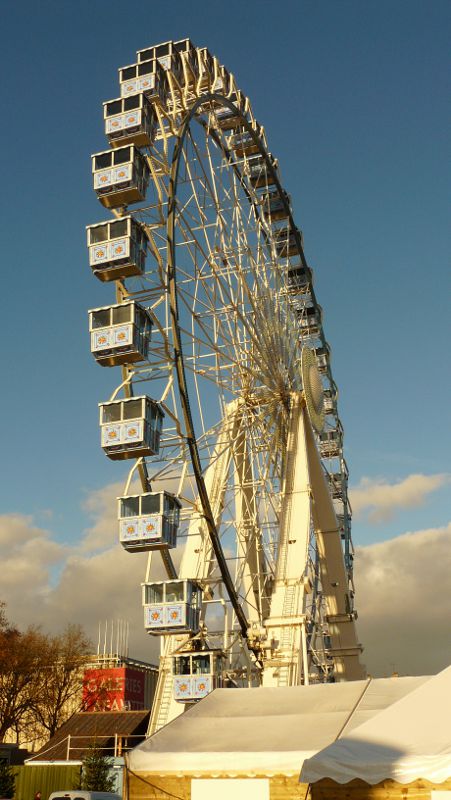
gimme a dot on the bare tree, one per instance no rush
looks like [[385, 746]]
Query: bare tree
[[60, 691], [41, 678], [20, 670]]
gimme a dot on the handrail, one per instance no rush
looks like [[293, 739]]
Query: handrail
[[119, 744]]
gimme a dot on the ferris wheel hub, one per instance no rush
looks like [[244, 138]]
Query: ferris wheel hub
[[313, 389]]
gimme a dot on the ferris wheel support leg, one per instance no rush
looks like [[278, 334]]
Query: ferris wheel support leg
[[306, 502], [250, 564], [198, 559], [345, 649], [286, 665], [304, 655]]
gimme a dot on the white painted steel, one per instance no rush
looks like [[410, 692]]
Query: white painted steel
[[238, 323]]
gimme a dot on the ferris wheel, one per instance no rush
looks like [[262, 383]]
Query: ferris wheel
[[226, 403]]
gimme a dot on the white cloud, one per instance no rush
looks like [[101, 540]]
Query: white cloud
[[101, 507], [28, 553], [402, 587], [100, 588], [97, 580], [380, 500], [404, 602]]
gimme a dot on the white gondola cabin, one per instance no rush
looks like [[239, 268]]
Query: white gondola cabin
[[121, 176], [117, 248], [259, 173], [244, 143], [205, 69], [222, 82], [330, 400], [196, 674], [341, 513], [167, 55], [323, 364], [148, 78], [330, 443], [148, 521], [286, 242], [274, 205], [120, 334], [190, 61], [309, 320], [129, 120], [337, 485], [341, 523], [131, 427], [299, 278], [228, 119], [172, 606]]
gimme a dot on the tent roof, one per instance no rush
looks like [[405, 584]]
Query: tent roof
[[264, 730], [410, 739]]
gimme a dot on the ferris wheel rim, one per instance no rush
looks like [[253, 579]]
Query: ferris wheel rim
[[230, 296]]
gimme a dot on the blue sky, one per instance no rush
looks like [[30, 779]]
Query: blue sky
[[352, 96]]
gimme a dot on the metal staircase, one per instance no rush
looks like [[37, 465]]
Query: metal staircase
[[163, 694]]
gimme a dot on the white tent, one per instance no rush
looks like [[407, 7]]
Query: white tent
[[264, 731], [410, 739]]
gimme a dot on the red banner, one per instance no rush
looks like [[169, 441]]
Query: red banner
[[115, 689]]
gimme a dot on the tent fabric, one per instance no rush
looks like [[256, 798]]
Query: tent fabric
[[409, 740], [263, 730]]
